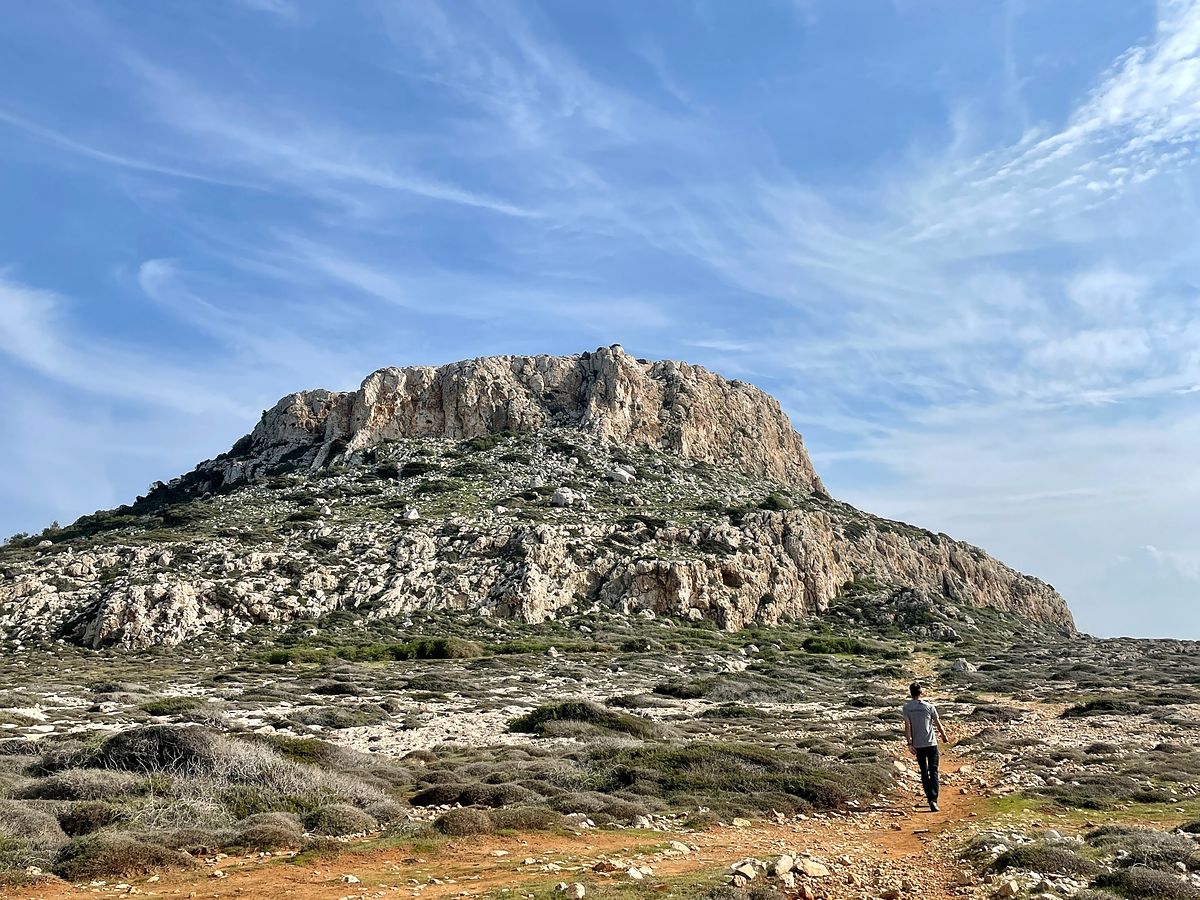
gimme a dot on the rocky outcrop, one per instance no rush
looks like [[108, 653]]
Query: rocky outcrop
[[595, 481], [670, 406]]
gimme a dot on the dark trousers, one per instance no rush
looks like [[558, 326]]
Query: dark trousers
[[927, 760]]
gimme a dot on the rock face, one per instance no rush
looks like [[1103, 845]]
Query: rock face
[[513, 487], [669, 406]]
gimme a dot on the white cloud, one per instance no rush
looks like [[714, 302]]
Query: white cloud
[[1091, 354], [1185, 564], [37, 333], [1106, 292], [285, 9], [1004, 340]]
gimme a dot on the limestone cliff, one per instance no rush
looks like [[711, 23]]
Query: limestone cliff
[[671, 406], [511, 487]]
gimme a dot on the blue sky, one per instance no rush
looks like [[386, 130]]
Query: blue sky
[[957, 240]]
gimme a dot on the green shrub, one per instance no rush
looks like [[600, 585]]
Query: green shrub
[[473, 794], [87, 816], [1055, 859], [436, 486], [308, 514], [585, 711], [775, 502], [108, 855], [171, 706], [471, 468], [26, 826], [337, 689], [438, 795], [1147, 884], [483, 442], [338, 819], [494, 795], [419, 648], [637, 645], [764, 891], [526, 818], [847, 646], [1135, 846], [638, 701], [739, 777], [685, 690], [462, 822], [388, 469], [384, 811], [1102, 791], [990, 712], [160, 748], [268, 831], [84, 784], [336, 717], [416, 467], [1101, 706], [732, 711]]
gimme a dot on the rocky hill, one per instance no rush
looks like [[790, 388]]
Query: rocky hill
[[517, 487]]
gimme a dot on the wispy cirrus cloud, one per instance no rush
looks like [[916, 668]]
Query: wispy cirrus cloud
[[989, 329]]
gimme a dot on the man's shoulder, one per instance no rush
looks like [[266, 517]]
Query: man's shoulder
[[918, 705]]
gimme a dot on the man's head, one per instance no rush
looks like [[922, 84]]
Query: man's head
[[915, 689]]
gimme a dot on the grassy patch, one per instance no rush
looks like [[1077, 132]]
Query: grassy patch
[[848, 646], [1043, 856], [171, 706], [744, 778], [108, 855], [540, 720], [420, 648]]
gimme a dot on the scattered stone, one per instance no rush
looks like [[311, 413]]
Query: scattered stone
[[811, 868]]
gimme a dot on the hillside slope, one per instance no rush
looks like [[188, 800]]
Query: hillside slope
[[514, 486]]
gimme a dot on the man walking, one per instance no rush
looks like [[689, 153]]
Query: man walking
[[920, 722]]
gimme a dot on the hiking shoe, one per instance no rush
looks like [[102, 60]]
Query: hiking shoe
[[933, 806]]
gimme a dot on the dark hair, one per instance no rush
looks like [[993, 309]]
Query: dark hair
[[915, 689]]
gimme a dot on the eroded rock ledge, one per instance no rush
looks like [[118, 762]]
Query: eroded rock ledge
[[669, 406]]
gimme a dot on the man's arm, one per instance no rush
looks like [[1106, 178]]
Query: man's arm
[[937, 723], [908, 733]]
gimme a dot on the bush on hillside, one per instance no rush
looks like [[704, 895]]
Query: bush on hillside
[[84, 784], [339, 819], [738, 777], [88, 816], [1051, 858], [1147, 884], [108, 855], [588, 712], [462, 822]]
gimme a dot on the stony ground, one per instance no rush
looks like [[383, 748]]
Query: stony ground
[[447, 755], [528, 527]]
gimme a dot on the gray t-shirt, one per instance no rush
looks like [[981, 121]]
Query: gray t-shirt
[[921, 716]]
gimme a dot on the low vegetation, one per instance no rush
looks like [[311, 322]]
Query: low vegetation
[[460, 724]]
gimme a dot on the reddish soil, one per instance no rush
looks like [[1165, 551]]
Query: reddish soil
[[900, 844]]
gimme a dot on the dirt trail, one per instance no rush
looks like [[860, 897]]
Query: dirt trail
[[866, 852]]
